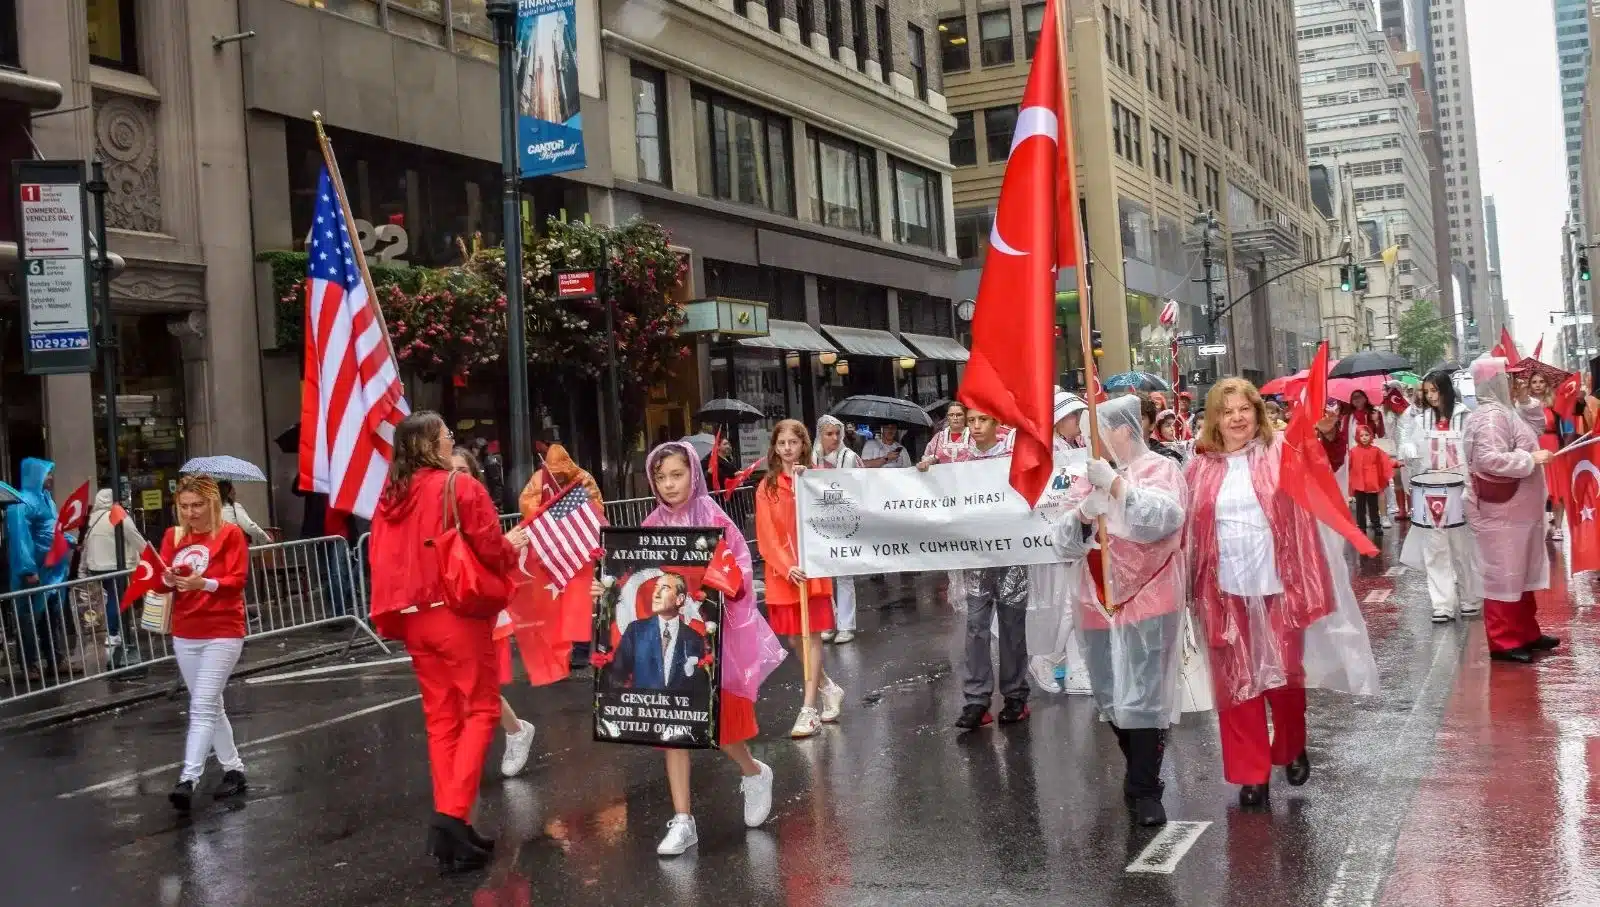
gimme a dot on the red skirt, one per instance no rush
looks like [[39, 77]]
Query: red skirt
[[785, 618], [736, 719], [502, 648]]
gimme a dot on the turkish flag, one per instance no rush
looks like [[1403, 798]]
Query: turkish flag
[[1318, 491], [1507, 348], [1567, 395], [1577, 471], [1011, 372], [723, 573], [146, 576], [69, 519], [1538, 347]]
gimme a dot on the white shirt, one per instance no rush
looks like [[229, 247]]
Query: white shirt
[[1246, 564], [668, 639], [1002, 448], [875, 448]]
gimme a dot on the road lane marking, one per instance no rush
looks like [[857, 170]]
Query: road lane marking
[[274, 738], [1377, 597], [1395, 571], [326, 669], [1168, 847]]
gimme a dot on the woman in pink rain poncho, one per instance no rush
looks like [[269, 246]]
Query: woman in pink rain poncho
[[1133, 644], [1505, 508]]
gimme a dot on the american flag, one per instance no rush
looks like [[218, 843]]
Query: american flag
[[351, 398], [565, 534]]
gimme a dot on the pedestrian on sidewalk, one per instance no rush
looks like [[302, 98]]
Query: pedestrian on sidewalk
[[1439, 542], [1371, 471], [1133, 641], [100, 559], [208, 562], [1505, 507], [776, 533], [830, 452], [234, 512], [30, 534], [750, 650], [451, 652], [1056, 662]]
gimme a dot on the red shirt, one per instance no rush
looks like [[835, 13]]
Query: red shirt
[[1371, 469], [223, 556]]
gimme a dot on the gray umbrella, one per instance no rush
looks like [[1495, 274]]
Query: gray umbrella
[[727, 411], [9, 495], [1369, 363], [872, 408]]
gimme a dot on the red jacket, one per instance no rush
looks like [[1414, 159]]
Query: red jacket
[[1371, 469], [405, 572], [775, 530], [223, 556]]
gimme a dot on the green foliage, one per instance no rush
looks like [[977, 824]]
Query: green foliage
[[1422, 336]]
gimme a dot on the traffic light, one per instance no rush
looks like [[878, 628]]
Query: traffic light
[[1583, 267], [1360, 275], [1095, 344], [1344, 278]]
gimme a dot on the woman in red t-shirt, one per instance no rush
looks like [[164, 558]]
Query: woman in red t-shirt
[[207, 562]]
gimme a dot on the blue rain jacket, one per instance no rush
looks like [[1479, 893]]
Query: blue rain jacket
[[31, 527]]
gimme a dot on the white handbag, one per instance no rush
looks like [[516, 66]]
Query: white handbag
[[1194, 675], [156, 615]]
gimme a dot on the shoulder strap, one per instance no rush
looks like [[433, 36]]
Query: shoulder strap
[[452, 514]]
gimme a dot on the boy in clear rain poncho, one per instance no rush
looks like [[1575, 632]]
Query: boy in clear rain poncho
[[1132, 643]]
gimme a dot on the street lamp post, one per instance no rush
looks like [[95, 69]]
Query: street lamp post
[[504, 15], [106, 340]]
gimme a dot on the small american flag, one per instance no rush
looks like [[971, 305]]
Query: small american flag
[[565, 534]]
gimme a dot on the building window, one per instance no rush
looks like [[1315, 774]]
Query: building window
[[113, 34], [845, 188], [1161, 154], [650, 124], [9, 47], [918, 214], [858, 31], [804, 12], [742, 152], [994, 34], [999, 123], [964, 142], [1188, 172], [1127, 133], [917, 49], [953, 51], [881, 23], [1032, 25], [1213, 197], [832, 22]]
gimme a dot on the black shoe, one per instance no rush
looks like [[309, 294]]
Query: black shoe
[[449, 842], [182, 796], [1149, 812], [479, 840], [1298, 772], [973, 716], [1544, 643], [1015, 710], [232, 785], [1253, 795], [1520, 656]]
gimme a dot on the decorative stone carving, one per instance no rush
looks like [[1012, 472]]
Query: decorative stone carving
[[158, 289], [125, 139]]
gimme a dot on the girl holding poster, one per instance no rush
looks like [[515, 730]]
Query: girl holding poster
[[750, 651], [790, 455], [830, 452]]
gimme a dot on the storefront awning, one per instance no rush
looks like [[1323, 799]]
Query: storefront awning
[[867, 342], [930, 346], [790, 335]]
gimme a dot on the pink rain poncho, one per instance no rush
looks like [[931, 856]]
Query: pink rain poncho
[[1500, 445], [750, 650]]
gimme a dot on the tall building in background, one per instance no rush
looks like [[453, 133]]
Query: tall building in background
[[1572, 48], [1498, 312]]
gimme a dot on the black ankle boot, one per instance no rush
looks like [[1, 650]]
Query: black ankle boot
[[450, 842], [1253, 795], [1298, 772]]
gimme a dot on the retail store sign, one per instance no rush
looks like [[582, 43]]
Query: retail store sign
[[53, 223], [577, 284]]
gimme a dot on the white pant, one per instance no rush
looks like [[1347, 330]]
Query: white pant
[[844, 603], [1447, 557], [206, 665]]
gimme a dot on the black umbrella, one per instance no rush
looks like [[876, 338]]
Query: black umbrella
[[1449, 365], [1362, 365], [289, 440], [871, 408], [727, 411], [936, 410]]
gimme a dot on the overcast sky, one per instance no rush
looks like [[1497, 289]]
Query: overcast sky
[[1516, 91]]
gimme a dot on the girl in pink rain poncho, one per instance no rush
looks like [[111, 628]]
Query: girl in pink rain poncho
[[1505, 508]]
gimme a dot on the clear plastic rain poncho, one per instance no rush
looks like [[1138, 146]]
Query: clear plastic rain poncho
[[1500, 447], [1054, 652], [1133, 643]]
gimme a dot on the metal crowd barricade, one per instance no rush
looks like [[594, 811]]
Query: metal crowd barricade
[[311, 582]]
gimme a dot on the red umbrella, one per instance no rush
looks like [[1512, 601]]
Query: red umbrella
[[1284, 385]]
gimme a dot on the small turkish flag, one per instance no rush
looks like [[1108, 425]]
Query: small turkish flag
[[117, 515], [723, 573], [1576, 472], [1567, 394], [146, 576], [68, 519]]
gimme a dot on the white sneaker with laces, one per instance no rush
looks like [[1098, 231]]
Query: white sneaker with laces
[[1044, 674], [832, 701], [757, 790], [518, 746], [827, 635], [844, 636], [807, 724], [681, 836], [1078, 684]]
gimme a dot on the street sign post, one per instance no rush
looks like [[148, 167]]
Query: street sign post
[[1193, 340], [53, 225], [1213, 349]]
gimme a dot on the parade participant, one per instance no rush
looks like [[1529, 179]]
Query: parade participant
[[1185, 416], [789, 455], [998, 594], [100, 559], [571, 624], [750, 651], [1131, 643], [1505, 507], [830, 452], [30, 534], [452, 653], [208, 561], [952, 443], [1439, 542], [1057, 662], [234, 512], [1275, 415], [1539, 411], [1396, 412], [884, 450], [1270, 591], [1371, 471]]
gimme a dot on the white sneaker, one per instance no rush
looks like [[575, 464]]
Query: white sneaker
[[1472, 610], [1078, 684], [1443, 617], [757, 790], [844, 636], [1388, 523], [681, 836], [827, 635], [807, 724], [832, 701], [1044, 674], [518, 746]]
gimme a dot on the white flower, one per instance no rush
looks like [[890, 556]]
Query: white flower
[[711, 628], [608, 581]]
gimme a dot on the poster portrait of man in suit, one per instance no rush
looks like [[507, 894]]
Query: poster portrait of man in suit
[[662, 651]]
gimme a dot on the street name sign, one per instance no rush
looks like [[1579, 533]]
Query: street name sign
[[1213, 349]]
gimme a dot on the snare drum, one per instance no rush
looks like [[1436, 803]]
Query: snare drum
[[1437, 500]]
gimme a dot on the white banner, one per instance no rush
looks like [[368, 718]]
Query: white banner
[[954, 516]]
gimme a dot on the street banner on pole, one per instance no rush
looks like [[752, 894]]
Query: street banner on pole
[[549, 122], [955, 516]]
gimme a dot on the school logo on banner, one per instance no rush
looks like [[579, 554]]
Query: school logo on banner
[[832, 514]]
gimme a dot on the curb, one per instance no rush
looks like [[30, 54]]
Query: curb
[[69, 713]]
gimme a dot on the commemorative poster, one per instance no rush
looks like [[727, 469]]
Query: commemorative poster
[[657, 646], [549, 124]]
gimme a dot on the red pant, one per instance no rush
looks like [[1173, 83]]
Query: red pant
[[1247, 757], [1510, 625], [454, 658]]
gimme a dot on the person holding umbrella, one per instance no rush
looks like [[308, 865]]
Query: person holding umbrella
[[886, 449]]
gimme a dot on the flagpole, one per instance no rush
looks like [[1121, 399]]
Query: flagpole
[[1085, 309], [355, 239]]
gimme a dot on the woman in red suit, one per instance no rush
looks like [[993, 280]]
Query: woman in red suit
[[453, 654]]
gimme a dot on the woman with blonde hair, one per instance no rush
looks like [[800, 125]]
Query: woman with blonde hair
[[790, 455], [1270, 589]]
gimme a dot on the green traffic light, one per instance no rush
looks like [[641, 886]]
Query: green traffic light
[[1344, 278]]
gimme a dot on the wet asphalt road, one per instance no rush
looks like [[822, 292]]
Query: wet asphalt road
[[891, 806]]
